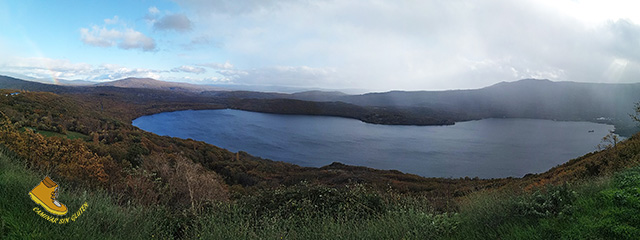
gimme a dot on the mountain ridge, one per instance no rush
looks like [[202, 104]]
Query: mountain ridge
[[527, 98], [151, 83]]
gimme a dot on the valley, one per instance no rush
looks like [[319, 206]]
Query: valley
[[132, 166]]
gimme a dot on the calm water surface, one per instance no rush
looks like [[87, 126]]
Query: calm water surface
[[486, 148]]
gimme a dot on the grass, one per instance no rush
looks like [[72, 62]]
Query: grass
[[69, 135], [102, 219], [604, 208], [393, 225]]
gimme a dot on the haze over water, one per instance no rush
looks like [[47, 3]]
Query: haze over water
[[488, 148]]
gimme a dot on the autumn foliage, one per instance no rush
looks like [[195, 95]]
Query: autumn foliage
[[69, 159]]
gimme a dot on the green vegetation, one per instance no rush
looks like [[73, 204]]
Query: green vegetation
[[102, 220], [604, 208], [599, 208], [68, 135], [299, 212]]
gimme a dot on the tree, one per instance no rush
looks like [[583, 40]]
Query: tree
[[609, 141], [636, 116]]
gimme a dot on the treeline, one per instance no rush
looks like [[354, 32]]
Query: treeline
[[375, 115]]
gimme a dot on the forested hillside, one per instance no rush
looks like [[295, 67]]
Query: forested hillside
[[84, 139]]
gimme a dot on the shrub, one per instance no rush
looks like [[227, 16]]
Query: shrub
[[305, 200], [552, 201], [183, 183]]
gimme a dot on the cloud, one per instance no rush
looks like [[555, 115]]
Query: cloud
[[623, 38], [200, 40], [114, 72], [176, 22], [422, 44], [232, 7], [125, 39], [189, 69], [99, 37], [213, 80], [302, 76], [153, 10], [41, 67], [218, 66], [133, 39], [113, 20], [382, 45], [47, 68]]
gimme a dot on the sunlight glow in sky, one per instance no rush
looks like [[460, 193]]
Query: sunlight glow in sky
[[375, 45]]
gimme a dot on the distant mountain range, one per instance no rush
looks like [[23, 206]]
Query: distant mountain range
[[160, 85], [58, 81], [527, 98], [147, 83]]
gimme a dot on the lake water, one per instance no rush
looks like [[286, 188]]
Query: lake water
[[486, 148]]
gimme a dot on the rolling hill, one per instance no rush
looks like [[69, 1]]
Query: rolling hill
[[160, 85]]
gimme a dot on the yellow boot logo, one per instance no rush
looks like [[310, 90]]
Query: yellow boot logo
[[45, 194]]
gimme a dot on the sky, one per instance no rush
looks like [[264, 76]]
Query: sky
[[375, 45]]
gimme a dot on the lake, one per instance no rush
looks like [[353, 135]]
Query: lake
[[488, 148]]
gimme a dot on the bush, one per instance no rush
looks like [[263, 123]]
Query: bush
[[621, 208], [305, 200], [552, 201], [175, 181]]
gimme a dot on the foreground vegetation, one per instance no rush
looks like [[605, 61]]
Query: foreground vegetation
[[599, 208], [298, 212], [602, 208]]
